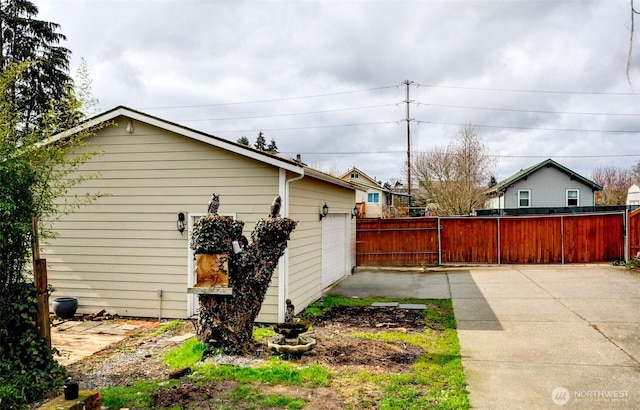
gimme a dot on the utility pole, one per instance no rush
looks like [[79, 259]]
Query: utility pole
[[408, 119]]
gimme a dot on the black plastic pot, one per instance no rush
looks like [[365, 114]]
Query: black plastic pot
[[71, 389], [65, 307]]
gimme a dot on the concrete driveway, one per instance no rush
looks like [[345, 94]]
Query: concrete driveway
[[534, 337]]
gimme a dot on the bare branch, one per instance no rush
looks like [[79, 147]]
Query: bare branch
[[453, 178]]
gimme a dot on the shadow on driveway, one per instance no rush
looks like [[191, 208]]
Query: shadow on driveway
[[468, 299]]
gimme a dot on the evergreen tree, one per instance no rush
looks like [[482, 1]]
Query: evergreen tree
[[33, 178], [272, 148], [243, 141], [260, 144], [24, 38]]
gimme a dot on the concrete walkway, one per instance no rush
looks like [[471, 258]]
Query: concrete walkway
[[535, 337], [75, 339]]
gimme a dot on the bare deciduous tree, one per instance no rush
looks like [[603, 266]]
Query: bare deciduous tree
[[455, 177], [615, 183]]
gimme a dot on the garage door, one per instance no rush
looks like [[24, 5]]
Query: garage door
[[335, 248]]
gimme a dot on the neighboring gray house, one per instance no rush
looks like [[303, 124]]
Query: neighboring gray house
[[547, 184]]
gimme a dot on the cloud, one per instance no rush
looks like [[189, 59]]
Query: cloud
[[323, 78]]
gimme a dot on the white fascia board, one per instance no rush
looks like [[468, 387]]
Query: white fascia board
[[328, 178]]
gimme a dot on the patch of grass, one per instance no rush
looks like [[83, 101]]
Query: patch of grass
[[276, 371], [186, 355], [251, 397], [136, 396], [323, 305], [263, 332], [171, 328], [437, 379]]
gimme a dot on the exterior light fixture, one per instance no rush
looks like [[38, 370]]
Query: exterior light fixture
[[354, 213], [180, 224], [325, 211]]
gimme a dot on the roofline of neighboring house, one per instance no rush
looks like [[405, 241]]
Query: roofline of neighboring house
[[364, 174], [314, 173], [268, 158], [502, 186], [364, 187]]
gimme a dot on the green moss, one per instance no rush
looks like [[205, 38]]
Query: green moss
[[186, 355]]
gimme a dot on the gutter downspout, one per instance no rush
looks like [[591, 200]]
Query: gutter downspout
[[283, 271]]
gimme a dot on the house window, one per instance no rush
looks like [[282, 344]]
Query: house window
[[373, 197], [524, 198], [573, 197], [354, 176]]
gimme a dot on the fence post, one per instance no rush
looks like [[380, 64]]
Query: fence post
[[499, 253], [625, 234], [562, 239], [40, 280], [439, 242]]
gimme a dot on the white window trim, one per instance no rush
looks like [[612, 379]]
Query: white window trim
[[373, 193], [566, 196], [518, 198]]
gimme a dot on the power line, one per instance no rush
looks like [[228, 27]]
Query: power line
[[534, 128], [219, 132], [268, 100], [527, 111], [489, 155], [387, 87], [514, 90], [289, 114], [304, 128]]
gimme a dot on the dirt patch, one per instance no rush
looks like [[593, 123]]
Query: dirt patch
[[140, 358]]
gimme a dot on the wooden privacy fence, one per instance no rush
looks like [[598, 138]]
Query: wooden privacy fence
[[634, 233], [579, 238]]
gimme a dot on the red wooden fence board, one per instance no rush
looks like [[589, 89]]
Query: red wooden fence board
[[530, 240], [469, 240], [634, 233], [394, 242], [584, 238]]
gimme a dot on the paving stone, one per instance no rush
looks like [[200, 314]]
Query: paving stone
[[181, 338], [127, 326], [67, 325], [112, 330], [385, 304], [107, 329], [84, 326], [413, 306]]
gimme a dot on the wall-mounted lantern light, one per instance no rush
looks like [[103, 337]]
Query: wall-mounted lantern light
[[325, 211], [180, 224], [354, 213]]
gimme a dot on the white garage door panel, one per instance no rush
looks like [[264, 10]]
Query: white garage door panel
[[335, 248]]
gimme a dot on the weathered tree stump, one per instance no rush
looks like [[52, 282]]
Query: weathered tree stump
[[227, 321]]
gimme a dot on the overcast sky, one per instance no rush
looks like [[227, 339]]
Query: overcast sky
[[539, 78]]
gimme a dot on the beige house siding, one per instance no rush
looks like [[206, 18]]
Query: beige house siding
[[305, 249], [372, 209], [117, 252]]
